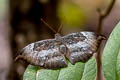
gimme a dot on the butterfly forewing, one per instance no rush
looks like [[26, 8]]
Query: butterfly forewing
[[81, 46]]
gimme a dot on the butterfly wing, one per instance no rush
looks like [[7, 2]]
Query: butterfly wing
[[81, 46], [43, 53]]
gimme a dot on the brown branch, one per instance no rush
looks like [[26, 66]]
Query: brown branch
[[102, 16], [99, 30]]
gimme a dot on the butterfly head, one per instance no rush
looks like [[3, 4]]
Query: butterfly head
[[58, 37]]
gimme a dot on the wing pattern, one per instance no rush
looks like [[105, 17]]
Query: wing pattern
[[81, 46], [43, 53]]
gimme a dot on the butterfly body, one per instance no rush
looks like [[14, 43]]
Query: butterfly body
[[52, 53]]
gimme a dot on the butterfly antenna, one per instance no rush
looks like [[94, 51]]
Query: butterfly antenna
[[59, 28], [48, 26]]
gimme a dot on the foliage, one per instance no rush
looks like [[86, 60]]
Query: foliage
[[111, 56], [79, 71]]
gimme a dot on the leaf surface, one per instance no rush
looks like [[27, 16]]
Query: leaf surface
[[79, 71], [111, 58]]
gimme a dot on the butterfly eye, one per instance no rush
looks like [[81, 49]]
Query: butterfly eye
[[62, 49]]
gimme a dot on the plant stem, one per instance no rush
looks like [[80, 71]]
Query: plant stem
[[99, 30], [103, 16]]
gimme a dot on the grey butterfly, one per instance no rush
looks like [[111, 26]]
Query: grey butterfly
[[52, 53]]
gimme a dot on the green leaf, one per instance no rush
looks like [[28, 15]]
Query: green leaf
[[110, 55], [72, 72], [84, 71], [90, 70], [30, 73], [45, 74], [118, 65]]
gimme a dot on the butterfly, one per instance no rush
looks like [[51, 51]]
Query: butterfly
[[53, 53]]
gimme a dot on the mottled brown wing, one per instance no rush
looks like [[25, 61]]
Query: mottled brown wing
[[43, 53], [81, 46]]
